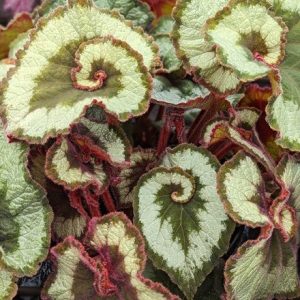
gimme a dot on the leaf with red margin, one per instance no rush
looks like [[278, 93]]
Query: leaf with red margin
[[112, 236], [288, 170], [74, 273], [140, 163], [220, 129], [115, 273], [178, 93], [265, 268], [21, 23], [241, 188], [65, 167], [94, 134], [67, 220], [284, 218]]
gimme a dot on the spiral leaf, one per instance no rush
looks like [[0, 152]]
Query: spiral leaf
[[198, 55], [170, 205], [243, 31], [136, 11], [48, 99]]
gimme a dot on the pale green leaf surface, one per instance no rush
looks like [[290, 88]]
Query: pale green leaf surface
[[243, 30], [258, 272], [198, 54], [74, 276], [185, 240], [8, 288], [245, 117], [4, 68], [115, 231], [241, 188], [284, 111], [18, 44], [39, 100], [180, 93], [24, 212]]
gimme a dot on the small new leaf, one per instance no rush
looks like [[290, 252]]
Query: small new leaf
[[241, 188], [180, 93]]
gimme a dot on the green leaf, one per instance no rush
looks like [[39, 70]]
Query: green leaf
[[66, 221], [18, 44], [106, 141], [245, 118], [179, 93], [289, 171], [241, 188], [116, 273], [164, 26], [140, 163], [244, 30], [286, 105], [20, 24], [284, 218], [64, 167], [108, 60], [219, 129], [258, 272], [74, 274], [5, 66], [170, 61], [198, 55], [24, 212], [8, 287], [115, 233], [289, 10], [136, 11], [176, 207]]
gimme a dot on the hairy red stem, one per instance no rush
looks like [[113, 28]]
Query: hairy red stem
[[108, 201]]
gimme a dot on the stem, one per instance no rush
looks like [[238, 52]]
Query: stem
[[76, 202], [92, 202], [165, 133], [180, 125], [108, 201], [223, 149], [196, 129]]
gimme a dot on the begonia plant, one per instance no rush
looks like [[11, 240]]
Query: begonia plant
[[150, 149]]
